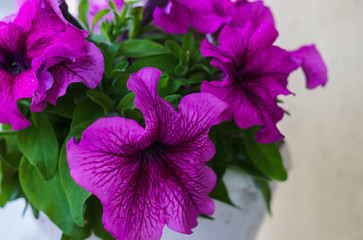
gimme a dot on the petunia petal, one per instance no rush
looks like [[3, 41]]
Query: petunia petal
[[199, 112], [87, 69], [13, 88], [258, 108], [209, 50], [158, 113], [104, 156], [17, 84], [173, 18], [40, 28], [316, 72], [255, 12], [206, 20]]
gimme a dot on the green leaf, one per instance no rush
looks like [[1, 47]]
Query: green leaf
[[98, 17], [163, 81], [188, 42], [115, 73], [135, 26], [101, 99], [83, 10], [40, 146], [64, 107], [47, 196], [202, 67], [266, 157], [174, 48], [85, 113], [34, 209], [7, 132], [181, 70], [264, 187], [174, 100], [36, 118], [78, 234], [122, 66], [79, 129], [76, 195], [206, 216], [13, 159], [224, 152], [9, 184], [241, 158], [9, 150], [132, 114], [220, 193], [127, 102], [139, 48], [1, 176], [166, 63], [112, 6], [94, 216]]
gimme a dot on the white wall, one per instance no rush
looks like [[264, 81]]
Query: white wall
[[323, 198]]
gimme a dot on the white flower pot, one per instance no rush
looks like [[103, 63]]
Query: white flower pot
[[230, 222]]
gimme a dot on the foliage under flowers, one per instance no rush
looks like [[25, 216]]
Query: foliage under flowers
[[140, 117]]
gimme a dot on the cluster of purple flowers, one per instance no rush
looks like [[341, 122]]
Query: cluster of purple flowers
[[152, 176], [256, 71], [41, 54]]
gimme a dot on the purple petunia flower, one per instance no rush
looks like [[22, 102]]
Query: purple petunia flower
[[146, 178], [256, 73], [178, 15], [242, 12], [40, 56]]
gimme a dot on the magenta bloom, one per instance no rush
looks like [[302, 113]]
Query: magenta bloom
[[256, 73], [146, 178], [178, 15], [40, 56]]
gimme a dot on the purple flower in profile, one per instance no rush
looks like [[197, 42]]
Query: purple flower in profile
[[242, 12], [146, 178], [256, 73], [40, 56], [178, 15]]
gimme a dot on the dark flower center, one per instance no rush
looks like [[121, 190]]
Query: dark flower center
[[239, 76], [153, 152], [13, 63], [13, 51], [16, 68]]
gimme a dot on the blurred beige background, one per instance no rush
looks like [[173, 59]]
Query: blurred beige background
[[323, 197]]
